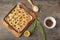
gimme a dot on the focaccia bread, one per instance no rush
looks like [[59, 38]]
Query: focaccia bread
[[18, 18]]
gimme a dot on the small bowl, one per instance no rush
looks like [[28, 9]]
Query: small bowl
[[52, 19]]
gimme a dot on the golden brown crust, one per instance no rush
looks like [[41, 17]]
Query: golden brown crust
[[18, 19], [13, 31]]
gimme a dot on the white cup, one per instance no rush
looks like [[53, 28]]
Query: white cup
[[52, 19]]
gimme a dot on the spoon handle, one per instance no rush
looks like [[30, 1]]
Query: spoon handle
[[30, 3]]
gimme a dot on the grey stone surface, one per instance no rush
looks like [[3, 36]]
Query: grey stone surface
[[49, 8]]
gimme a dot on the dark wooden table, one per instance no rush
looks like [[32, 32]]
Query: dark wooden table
[[49, 8]]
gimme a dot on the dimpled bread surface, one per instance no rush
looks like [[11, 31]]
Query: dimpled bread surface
[[18, 18]]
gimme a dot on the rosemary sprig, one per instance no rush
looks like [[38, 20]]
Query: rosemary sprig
[[33, 26], [41, 30], [39, 6]]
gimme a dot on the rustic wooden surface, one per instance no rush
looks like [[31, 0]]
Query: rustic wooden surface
[[49, 8]]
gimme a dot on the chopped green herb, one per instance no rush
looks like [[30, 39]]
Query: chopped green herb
[[41, 30]]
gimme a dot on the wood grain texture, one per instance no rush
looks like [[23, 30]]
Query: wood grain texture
[[11, 30]]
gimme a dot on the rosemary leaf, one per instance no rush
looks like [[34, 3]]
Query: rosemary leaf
[[39, 6], [41, 30], [33, 26]]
